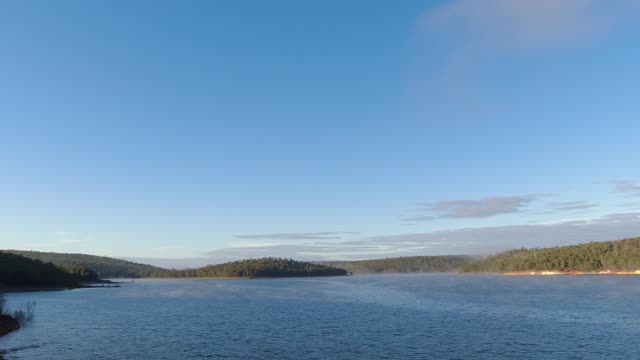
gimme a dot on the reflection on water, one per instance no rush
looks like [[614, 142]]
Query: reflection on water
[[359, 317]]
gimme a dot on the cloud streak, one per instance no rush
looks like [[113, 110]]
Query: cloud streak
[[297, 236], [572, 205], [626, 187], [491, 239], [457, 241], [493, 25], [481, 208], [463, 42], [462, 241], [473, 209]]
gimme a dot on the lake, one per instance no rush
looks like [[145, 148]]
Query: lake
[[422, 316]]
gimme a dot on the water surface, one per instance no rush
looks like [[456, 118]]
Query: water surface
[[357, 317]]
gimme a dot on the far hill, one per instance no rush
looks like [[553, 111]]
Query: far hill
[[20, 272], [260, 268], [409, 264], [616, 255], [105, 267]]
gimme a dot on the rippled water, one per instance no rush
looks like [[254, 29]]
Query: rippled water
[[358, 317]]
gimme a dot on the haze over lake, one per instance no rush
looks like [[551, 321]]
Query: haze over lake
[[360, 317]]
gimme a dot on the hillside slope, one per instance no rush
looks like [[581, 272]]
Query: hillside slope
[[409, 264], [260, 268], [18, 271], [105, 267], [592, 257]]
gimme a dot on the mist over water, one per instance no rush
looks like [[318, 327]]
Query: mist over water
[[358, 317]]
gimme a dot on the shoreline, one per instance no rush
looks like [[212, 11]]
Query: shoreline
[[572, 273], [27, 289], [105, 284], [508, 273], [8, 324], [242, 278], [117, 284]]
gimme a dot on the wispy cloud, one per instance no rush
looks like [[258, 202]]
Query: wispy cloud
[[419, 218], [464, 41], [477, 208], [495, 25], [327, 235], [300, 251], [572, 205], [631, 205], [457, 241], [66, 237], [485, 240], [486, 207], [626, 187], [75, 241], [491, 239]]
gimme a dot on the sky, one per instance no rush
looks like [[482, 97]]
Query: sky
[[186, 133]]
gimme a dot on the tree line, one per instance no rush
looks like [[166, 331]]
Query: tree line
[[89, 268], [104, 267], [270, 267], [408, 264], [19, 271], [591, 257]]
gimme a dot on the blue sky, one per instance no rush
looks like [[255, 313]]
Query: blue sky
[[212, 130]]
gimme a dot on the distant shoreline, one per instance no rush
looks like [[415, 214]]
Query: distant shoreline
[[572, 273], [8, 290], [117, 284], [240, 278]]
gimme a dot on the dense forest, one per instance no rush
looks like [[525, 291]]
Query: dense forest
[[599, 256], [86, 268], [18, 271], [409, 264], [104, 267], [259, 268]]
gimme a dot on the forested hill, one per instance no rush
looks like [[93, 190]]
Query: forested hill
[[259, 268], [105, 267], [18, 271], [600, 256], [410, 264]]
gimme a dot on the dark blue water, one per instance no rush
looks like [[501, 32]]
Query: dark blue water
[[359, 317]]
